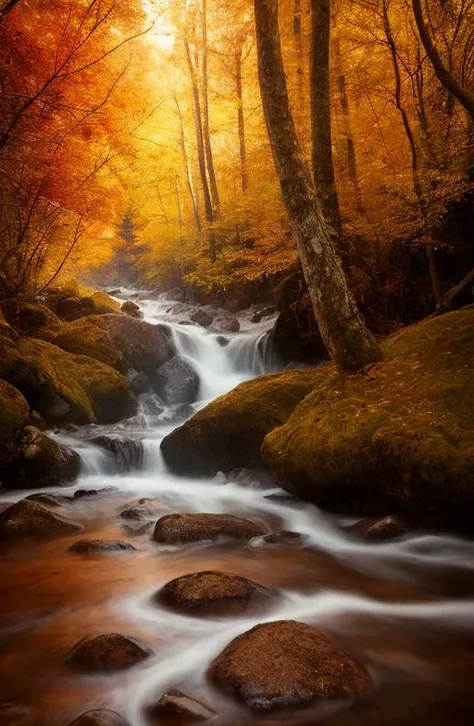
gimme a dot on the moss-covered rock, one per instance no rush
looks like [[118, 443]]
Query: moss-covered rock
[[40, 462], [69, 388], [397, 438], [30, 519], [32, 319], [14, 414], [72, 307], [84, 338], [228, 433]]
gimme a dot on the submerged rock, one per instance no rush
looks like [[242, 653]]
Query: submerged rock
[[379, 529], [203, 318], [397, 437], [286, 537], [131, 308], [214, 593], [286, 664], [40, 462], [225, 324], [138, 514], [182, 528], [110, 652], [128, 453], [30, 519], [176, 708], [100, 547], [176, 382], [100, 717], [228, 433]]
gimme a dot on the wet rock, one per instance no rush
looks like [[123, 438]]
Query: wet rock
[[223, 342], [132, 309], [175, 294], [286, 664], [263, 313], [282, 498], [144, 346], [49, 500], [224, 324], [128, 453], [138, 514], [32, 319], [86, 493], [14, 714], [110, 652], [139, 382], [100, 547], [82, 337], [38, 421], [228, 433], [30, 519], [286, 537], [379, 529], [176, 382], [99, 303], [182, 528], [177, 414], [40, 462], [203, 318], [214, 593], [175, 708], [100, 717], [13, 417]]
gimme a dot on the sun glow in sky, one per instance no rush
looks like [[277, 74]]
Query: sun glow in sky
[[163, 34]]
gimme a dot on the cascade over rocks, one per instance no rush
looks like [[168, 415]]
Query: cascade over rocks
[[176, 382], [286, 664], [128, 453], [40, 462], [214, 593], [145, 347], [30, 519], [110, 652], [100, 717], [397, 437], [225, 324], [183, 528], [228, 433]]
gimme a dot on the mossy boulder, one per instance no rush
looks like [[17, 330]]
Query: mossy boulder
[[145, 347], [40, 462], [228, 433], [30, 519], [397, 438], [32, 319], [84, 338], [69, 388], [78, 306], [14, 414]]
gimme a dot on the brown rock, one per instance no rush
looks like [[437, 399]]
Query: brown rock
[[379, 529], [100, 547], [286, 664], [100, 717], [181, 528], [132, 309], [214, 593], [30, 519], [174, 708], [110, 652]]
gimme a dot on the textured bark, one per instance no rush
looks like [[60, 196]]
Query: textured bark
[[241, 120], [342, 327], [298, 36], [7, 7], [465, 97], [205, 115], [187, 168], [323, 168]]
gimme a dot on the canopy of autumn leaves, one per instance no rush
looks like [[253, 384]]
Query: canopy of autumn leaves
[[98, 125]]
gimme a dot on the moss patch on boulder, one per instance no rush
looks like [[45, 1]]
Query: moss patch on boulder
[[228, 433], [32, 319], [84, 338], [398, 437], [14, 415]]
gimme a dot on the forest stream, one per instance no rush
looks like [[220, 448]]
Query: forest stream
[[403, 608]]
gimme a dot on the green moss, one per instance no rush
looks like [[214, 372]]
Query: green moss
[[397, 437], [104, 304], [84, 338], [228, 433], [13, 417]]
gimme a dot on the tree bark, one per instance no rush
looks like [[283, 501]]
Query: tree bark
[[465, 97], [298, 36], [187, 168], [205, 115], [240, 115], [321, 138], [341, 325]]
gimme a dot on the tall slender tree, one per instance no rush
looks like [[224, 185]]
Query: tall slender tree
[[343, 330]]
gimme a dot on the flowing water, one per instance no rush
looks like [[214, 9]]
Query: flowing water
[[405, 609]]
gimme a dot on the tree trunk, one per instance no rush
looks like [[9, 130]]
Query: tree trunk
[[7, 7], [241, 120], [341, 325], [178, 207], [187, 168], [346, 130], [298, 36], [465, 97], [323, 168], [205, 115], [199, 133]]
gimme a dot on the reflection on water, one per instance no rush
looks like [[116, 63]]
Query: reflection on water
[[405, 609]]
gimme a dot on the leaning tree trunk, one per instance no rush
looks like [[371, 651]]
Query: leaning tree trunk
[[323, 167], [240, 118], [341, 325], [205, 115]]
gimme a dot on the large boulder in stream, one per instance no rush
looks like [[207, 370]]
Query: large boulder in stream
[[228, 433], [105, 653], [40, 462], [14, 414], [176, 382], [32, 319], [93, 547], [214, 593], [145, 347], [74, 307], [398, 437], [99, 717], [30, 519], [182, 528], [286, 664], [84, 338]]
